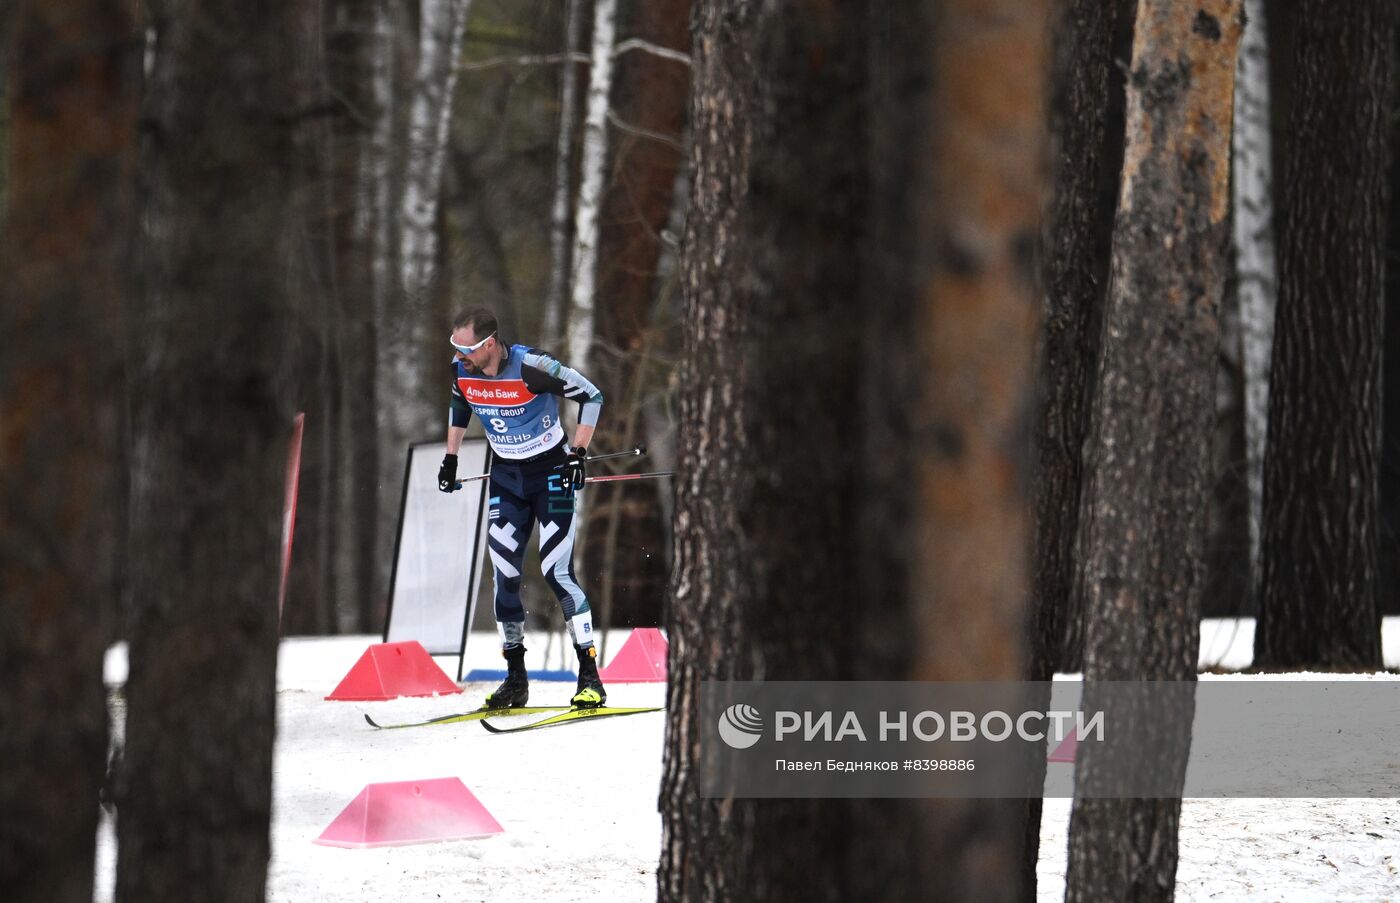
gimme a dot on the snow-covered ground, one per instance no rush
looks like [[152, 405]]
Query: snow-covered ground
[[579, 804]]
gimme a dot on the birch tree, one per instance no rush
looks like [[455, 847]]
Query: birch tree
[[592, 182], [69, 89], [1146, 500], [1319, 558], [1253, 237], [561, 213], [409, 401]]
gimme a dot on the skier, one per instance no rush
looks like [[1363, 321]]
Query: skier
[[536, 475]]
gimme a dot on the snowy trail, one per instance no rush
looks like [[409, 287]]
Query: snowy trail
[[578, 804]]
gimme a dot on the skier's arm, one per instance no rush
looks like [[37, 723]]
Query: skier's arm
[[459, 414], [543, 374]]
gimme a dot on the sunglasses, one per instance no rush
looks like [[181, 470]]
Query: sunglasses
[[468, 349]]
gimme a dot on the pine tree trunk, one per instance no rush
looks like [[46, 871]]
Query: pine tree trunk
[[310, 604], [210, 423], [1075, 276], [71, 89], [1148, 464], [818, 144], [1319, 569], [357, 73]]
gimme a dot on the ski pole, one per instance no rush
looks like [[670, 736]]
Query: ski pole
[[629, 476], [637, 451]]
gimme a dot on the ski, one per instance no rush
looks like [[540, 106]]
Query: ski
[[572, 716], [473, 715]]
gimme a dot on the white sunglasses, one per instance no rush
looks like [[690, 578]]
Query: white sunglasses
[[468, 349]]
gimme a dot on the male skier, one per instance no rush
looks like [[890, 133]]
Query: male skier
[[514, 391]]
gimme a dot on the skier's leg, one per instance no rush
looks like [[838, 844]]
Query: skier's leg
[[555, 510], [509, 530]]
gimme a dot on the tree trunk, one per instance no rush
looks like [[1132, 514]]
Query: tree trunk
[[71, 90], [357, 61], [210, 427], [1319, 574], [409, 367], [592, 183], [626, 540], [561, 213], [310, 604], [1075, 275], [819, 143], [1253, 236], [1148, 465]]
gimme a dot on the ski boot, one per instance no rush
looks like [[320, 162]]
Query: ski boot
[[515, 689], [590, 693]]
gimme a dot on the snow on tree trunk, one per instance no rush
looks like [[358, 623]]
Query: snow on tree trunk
[[590, 195], [559, 216], [1254, 250]]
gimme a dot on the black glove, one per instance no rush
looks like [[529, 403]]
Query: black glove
[[447, 473], [574, 474]]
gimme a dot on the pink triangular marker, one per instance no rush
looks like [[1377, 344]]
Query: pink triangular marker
[[642, 659], [390, 670], [404, 812], [1065, 751]]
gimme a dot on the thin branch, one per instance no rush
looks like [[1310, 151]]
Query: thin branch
[[554, 59], [665, 53], [645, 133]]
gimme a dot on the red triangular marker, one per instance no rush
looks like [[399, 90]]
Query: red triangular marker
[[1065, 751], [404, 812], [642, 659], [390, 670]]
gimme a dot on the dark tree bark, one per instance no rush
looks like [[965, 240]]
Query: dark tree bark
[[210, 426], [626, 541], [70, 140], [1148, 464], [353, 53], [852, 252], [310, 603], [1075, 273], [1319, 567], [1388, 593]]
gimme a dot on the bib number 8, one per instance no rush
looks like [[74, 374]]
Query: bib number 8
[[498, 425]]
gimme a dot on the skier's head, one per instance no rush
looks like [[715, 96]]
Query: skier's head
[[476, 337]]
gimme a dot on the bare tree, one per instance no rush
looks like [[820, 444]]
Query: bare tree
[[210, 425], [592, 178], [1253, 236], [561, 213], [627, 543], [71, 88], [1148, 460], [1319, 567]]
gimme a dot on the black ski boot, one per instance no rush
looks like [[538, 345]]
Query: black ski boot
[[515, 689], [590, 693]]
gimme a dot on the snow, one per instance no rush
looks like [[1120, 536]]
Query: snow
[[579, 804]]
